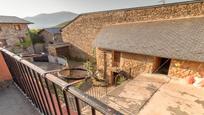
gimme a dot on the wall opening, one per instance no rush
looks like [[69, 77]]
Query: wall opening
[[162, 65]]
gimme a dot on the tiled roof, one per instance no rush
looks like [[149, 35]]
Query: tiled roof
[[177, 39], [52, 30], [13, 19]]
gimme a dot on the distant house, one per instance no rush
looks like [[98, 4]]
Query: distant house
[[12, 30], [50, 36], [59, 50]]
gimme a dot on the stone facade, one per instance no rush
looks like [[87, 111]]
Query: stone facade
[[104, 63], [59, 50], [50, 38], [182, 69], [132, 64], [135, 64], [13, 33], [84, 29]]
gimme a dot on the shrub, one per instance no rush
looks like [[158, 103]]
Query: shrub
[[35, 37], [90, 67], [27, 43]]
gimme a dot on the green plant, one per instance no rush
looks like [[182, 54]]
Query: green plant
[[90, 67], [27, 43], [119, 79], [94, 52], [34, 36]]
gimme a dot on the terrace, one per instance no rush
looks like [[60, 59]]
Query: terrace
[[149, 94]]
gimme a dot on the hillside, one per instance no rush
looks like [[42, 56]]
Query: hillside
[[50, 20], [61, 25]]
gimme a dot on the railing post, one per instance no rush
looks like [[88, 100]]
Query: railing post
[[58, 101], [66, 102], [50, 96]]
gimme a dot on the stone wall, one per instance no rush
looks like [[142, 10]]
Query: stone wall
[[182, 69], [132, 64], [52, 51], [136, 64], [12, 35], [104, 57], [39, 47], [84, 29], [60, 50], [63, 52], [47, 37], [50, 38]]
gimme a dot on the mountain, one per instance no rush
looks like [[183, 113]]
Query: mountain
[[61, 25], [50, 20]]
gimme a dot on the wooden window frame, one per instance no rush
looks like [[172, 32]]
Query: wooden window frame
[[17, 27], [116, 58]]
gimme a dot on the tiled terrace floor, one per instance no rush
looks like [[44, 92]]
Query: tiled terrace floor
[[13, 102], [156, 95]]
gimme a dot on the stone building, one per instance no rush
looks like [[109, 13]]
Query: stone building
[[171, 47], [59, 50], [50, 36], [81, 32], [12, 30]]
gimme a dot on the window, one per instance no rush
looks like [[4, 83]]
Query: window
[[116, 58], [0, 29], [17, 27]]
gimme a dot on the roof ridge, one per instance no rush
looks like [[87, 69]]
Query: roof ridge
[[162, 20], [13, 19], [134, 8]]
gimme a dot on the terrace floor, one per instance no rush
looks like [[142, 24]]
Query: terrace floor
[[156, 95], [13, 102]]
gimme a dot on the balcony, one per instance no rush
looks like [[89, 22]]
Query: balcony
[[13, 102], [34, 91]]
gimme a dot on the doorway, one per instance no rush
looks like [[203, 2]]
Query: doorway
[[162, 65]]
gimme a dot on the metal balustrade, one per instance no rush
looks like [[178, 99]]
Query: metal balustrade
[[51, 95]]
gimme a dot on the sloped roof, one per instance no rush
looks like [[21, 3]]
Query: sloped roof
[[13, 19], [177, 39], [51, 30], [129, 9]]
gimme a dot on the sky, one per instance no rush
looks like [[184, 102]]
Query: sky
[[24, 8]]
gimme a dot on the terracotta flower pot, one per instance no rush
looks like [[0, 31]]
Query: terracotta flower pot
[[190, 80]]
